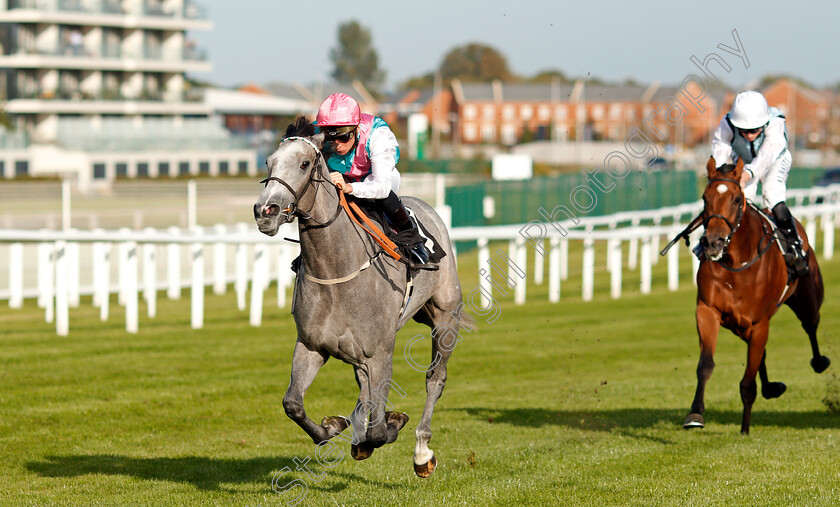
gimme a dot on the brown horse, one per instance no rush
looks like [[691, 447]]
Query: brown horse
[[742, 282]]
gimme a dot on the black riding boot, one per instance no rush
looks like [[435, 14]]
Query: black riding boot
[[402, 221], [795, 255]]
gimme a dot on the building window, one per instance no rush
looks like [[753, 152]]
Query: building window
[[143, 170], [527, 112], [470, 112], [508, 134], [223, 167], [184, 168], [243, 167], [163, 169], [21, 168], [543, 112], [561, 113], [469, 132], [122, 170], [598, 112], [488, 111], [508, 112], [99, 171], [488, 133], [204, 168]]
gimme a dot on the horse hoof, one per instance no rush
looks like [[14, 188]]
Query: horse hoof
[[361, 451], [396, 419], [694, 421], [425, 470], [335, 424], [819, 364], [772, 390]]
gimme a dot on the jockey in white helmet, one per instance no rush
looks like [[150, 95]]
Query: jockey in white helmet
[[756, 133]]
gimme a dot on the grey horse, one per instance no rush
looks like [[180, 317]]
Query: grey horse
[[350, 299]]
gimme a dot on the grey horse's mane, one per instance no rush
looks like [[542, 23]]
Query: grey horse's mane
[[301, 127]]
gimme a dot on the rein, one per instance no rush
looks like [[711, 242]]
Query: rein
[[354, 212]]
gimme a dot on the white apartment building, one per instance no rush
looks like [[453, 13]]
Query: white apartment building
[[102, 83]]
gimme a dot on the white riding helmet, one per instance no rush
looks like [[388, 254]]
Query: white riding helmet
[[749, 111]]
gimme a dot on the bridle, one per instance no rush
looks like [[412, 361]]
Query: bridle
[[732, 227], [313, 181]]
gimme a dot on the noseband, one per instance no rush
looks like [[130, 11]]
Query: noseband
[[732, 227], [293, 210]]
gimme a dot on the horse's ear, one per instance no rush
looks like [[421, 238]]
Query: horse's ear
[[739, 168], [318, 139], [711, 167]]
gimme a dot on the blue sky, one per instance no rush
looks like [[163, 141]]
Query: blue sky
[[275, 40]]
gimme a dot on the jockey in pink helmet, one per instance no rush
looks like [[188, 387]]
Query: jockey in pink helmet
[[363, 159]]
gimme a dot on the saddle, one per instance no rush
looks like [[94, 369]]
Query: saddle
[[402, 239]]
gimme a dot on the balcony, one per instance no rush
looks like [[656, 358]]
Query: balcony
[[75, 94], [94, 7], [191, 10], [106, 57], [110, 101]]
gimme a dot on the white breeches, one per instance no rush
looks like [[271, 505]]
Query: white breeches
[[773, 183], [395, 181]]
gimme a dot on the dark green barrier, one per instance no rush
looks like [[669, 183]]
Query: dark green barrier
[[520, 201]]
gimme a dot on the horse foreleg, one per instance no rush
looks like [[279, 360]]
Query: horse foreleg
[[373, 426], [305, 365], [708, 327], [756, 338], [769, 389]]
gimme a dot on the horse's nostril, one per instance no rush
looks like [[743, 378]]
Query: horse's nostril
[[271, 210]]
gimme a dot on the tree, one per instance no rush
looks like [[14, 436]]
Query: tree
[[426, 80], [548, 76], [354, 58], [475, 62]]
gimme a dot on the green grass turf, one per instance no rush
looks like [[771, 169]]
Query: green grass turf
[[568, 404]]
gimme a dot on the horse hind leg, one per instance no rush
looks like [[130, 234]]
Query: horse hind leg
[[805, 303], [305, 365], [445, 337], [769, 390]]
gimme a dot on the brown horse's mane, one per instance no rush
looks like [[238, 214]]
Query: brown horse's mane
[[726, 168]]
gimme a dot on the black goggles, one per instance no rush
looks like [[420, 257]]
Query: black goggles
[[335, 136], [752, 131]]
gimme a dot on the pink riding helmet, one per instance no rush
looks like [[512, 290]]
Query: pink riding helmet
[[339, 110]]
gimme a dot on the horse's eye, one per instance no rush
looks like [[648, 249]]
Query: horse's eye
[[304, 165], [738, 200]]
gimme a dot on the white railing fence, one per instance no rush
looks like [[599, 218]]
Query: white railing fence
[[51, 266]]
